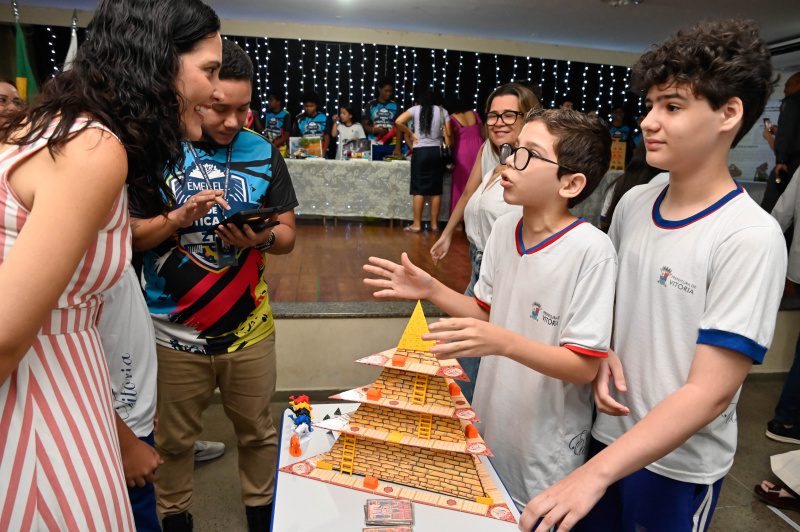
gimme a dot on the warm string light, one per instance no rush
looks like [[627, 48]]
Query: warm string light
[[302, 70], [338, 73], [458, 76], [314, 67], [555, 83], [611, 87], [286, 75], [51, 40], [607, 86], [331, 103], [375, 66], [541, 78], [444, 72], [477, 81], [363, 68], [414, 73], [583, 87], [433, 69], [404, 101], [350, 76]]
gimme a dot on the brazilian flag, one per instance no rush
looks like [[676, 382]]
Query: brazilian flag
[[26, 83]]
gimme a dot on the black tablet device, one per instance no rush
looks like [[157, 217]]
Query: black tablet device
[[257, 219]]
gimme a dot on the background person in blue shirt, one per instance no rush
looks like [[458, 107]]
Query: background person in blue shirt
[[313, 123], [277, 122], [379, 116]]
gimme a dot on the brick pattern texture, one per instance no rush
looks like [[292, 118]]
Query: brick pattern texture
[[398, 384], [390, 419], [452, 474]]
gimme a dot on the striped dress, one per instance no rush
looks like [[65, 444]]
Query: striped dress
[[60, 467]]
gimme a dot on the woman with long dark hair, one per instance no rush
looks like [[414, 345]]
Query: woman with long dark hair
[[139, 84], [431, 127]]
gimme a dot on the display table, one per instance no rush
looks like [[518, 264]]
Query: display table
[[305, 505], [356, 188]]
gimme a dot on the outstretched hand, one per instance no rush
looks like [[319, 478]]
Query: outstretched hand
[[466, 337], [402, 281]]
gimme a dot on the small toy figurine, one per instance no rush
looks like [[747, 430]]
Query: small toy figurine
[[301, 413], [294, 446]]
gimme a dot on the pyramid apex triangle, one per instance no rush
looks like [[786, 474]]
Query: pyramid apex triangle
[[411, 339]]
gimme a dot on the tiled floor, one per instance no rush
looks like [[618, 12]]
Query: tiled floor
[[217, 506]]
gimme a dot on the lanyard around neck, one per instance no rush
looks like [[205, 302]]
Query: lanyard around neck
[[203, 172]]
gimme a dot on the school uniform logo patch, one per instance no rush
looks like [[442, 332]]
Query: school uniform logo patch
[[537, 314], [537, 308], [667, 279]]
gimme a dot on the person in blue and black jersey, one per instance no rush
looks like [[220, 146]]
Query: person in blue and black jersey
[[379, 116], [208, 299], [312, 122], [277, 123]]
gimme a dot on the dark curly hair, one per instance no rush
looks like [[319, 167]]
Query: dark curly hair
[[124, 77], [236, 64], [582, 144], [719, 60]]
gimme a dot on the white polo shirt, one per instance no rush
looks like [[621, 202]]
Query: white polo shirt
[[559, 292], [714, 278]]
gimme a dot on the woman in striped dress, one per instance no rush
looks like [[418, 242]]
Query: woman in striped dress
[[138, 85]]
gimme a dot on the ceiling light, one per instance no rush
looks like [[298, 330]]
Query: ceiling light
[[617, 3]]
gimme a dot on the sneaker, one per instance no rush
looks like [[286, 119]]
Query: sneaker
[[208, 450], [779, 432]]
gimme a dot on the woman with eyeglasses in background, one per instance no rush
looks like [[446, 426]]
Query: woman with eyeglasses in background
[[482, 201]]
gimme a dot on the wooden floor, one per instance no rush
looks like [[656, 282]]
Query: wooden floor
[[325, 265]]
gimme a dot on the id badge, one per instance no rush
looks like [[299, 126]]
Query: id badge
[[226, 255]]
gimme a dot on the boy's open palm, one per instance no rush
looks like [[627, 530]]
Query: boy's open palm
[[402, 281]]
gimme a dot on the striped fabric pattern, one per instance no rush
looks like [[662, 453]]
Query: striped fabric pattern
[[60, 467]]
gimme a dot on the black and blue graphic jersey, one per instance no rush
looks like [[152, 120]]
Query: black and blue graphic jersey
[[196, 304], [276, 123], [316, 126], [381, 114]]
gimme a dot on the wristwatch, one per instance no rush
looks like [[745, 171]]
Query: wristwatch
[[264, 246]]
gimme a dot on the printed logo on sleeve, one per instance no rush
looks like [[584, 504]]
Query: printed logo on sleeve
[[546, 317], [667, 279]]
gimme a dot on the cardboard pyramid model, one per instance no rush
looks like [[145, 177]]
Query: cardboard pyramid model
[[412, 435]]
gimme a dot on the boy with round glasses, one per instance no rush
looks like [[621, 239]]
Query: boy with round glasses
[[546, 289]]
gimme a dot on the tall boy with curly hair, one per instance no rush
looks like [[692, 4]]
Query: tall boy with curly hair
[[701, 271]]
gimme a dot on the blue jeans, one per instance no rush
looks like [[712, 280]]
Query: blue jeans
[[787, 410], [471, 364], [143, 501]]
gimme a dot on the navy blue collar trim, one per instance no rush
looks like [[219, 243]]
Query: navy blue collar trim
[[544, 243], [677, 224]]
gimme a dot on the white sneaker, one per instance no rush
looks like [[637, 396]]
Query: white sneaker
[[208, 450]]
